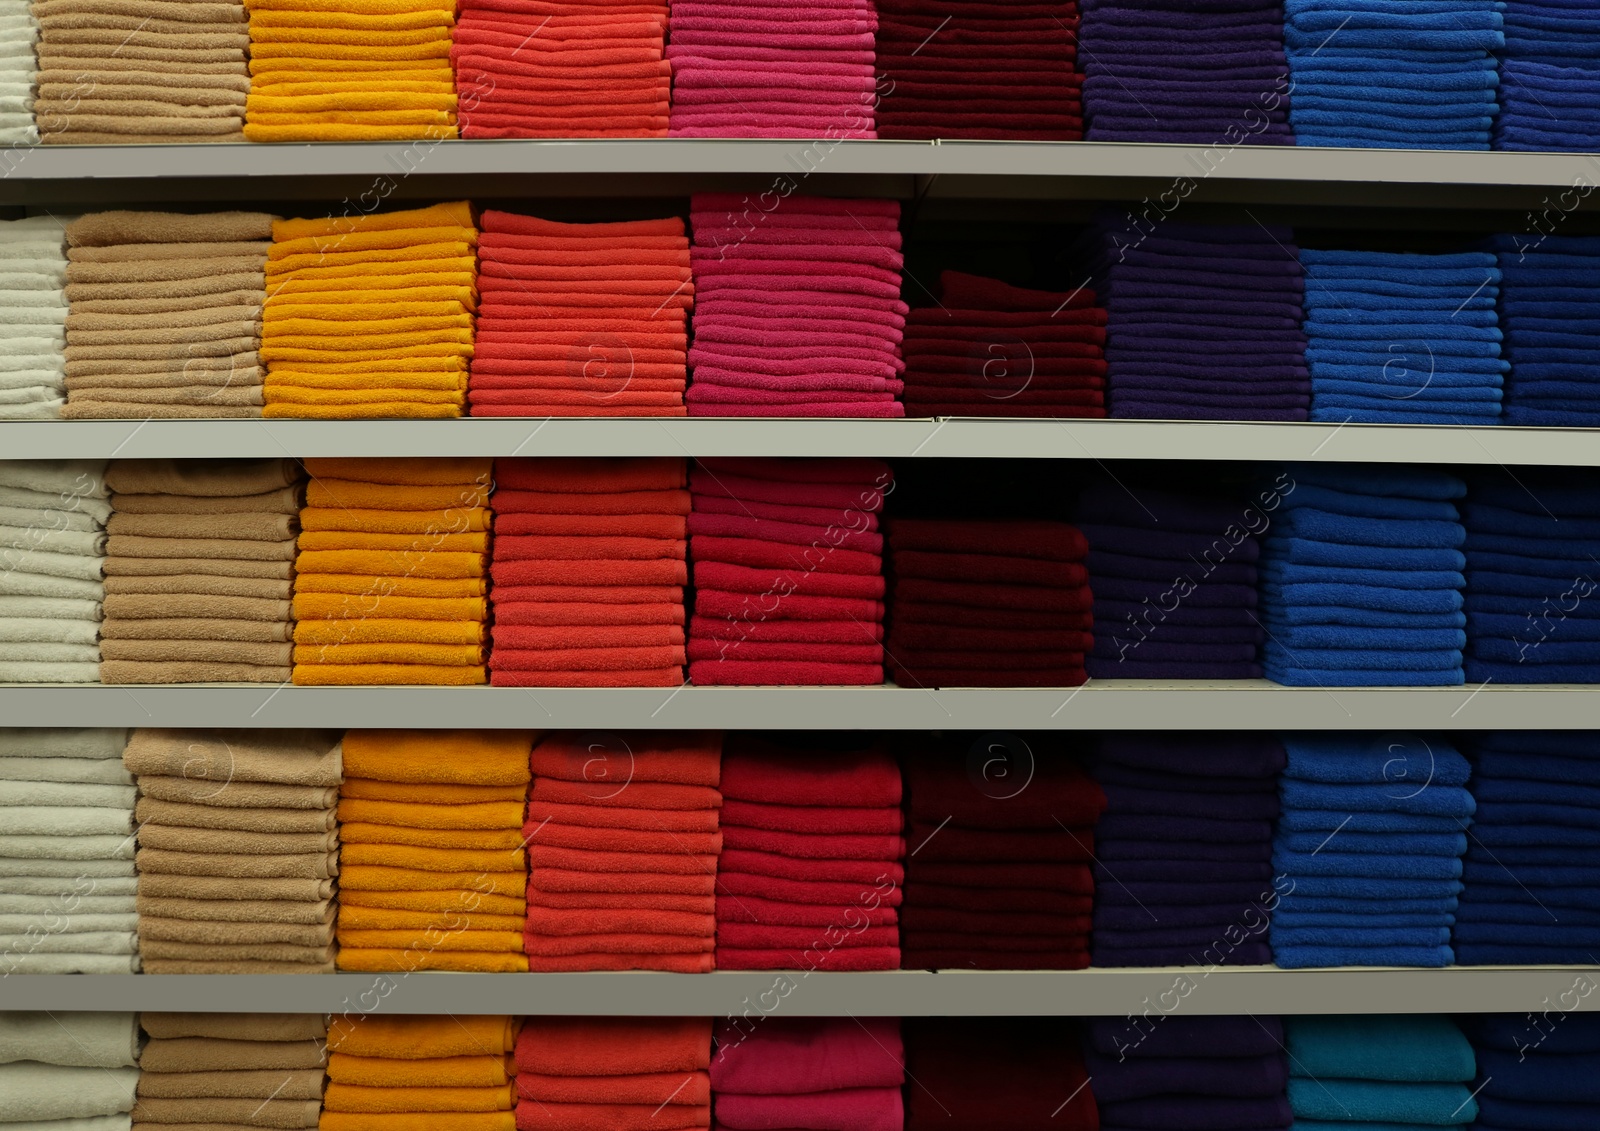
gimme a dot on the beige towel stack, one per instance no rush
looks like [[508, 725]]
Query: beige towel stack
[[18, 34], [164, 313], [238, 850], [230, 1071], [199, 569], [33, 311], [118, 71]]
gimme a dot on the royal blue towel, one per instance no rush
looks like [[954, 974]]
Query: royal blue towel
[[1291, 957], [1395, 761]]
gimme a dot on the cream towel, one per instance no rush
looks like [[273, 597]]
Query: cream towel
[[93, 942], [67, 793], [30, 1090], [47, 630], [56, 541], [49, 673], [47, 504], [63, 899], [64, 479], [58, 520], [98, 771], [89, 1123], [87, 1040], [111, 847], [64, 820], [69, 870], [69, 964], [92, 922], [16, 653], [17, 584], [49, 606], [64, 742]]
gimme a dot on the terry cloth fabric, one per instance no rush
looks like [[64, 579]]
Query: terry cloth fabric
[[622, 843], [370, 315], [809, 1073], [161, 72], [1149, 842], [164, 314], [810, 875], [19, 72], [433, 873], [997, 876], [1361, 581], [1226, 345], [351, 70], [772, 69], [1549, 74], [66, 856], [1396, 338], [390, 578], [991, 349], [1173, 71], [1348, 854], [618, 1073], [1548, 310], [544, 68], [232, 1068], [1369, 1071], [198, 558], [1036, 1064], [1172, 1073], [1393, 77], [237, 877], [402, 1072], [581, 319], [68, 1071], [589, 572], [1537, 1071], [797, 306], [788, 571], [34, 262], [53, 547]]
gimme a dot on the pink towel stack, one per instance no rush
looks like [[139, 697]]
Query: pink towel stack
[[797, 308], [773, 69]]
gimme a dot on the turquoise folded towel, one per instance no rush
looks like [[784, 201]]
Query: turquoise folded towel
[[1398, 1048]]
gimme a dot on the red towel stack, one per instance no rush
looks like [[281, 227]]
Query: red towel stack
[[798, 306], [810, 872], [611, 1074], [991, 349], [588, 573], [622, 846], [809, 1074], [788, 571], [988, 603], [581, 319], [541, 68]]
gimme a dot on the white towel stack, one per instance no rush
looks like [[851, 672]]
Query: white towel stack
[[33, 302], [67, 884], [68, 1071], [19, 35]]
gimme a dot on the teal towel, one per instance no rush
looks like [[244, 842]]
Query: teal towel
[[1351, 1101], [1324, 1125], [1405, 1048]]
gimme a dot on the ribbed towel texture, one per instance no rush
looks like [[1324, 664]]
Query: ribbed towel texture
[[810, 876], [1549, 309], [433, 873], [392, 1072], [798, 309], [1549, 91], [1030, 1061], [618, 1073], [19, 70], [809, 1074], [66, 857], [1379, 1071], [1186, 1072], [68, 1071], [33, 272], [623, 842], [581, 319], [1538, 1071], [219, 1069], [238, 850], [545, 68]]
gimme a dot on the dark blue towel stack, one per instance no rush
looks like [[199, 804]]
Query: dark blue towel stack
[[1532, 893], [1211, 73], [1361, 578], [1368, 850], [1550, 76], [1395, 338], [1183, 872], [1539, 1071], [1202, 321], [1393, 76], [1550, 312]]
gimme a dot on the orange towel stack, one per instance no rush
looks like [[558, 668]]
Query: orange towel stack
[[433, 870], [389, 1073], [390, 577], [370, 315], [614, 1074], [622, 845]]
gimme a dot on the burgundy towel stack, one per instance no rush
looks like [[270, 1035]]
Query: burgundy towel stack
[[798, 309], [788, 571], [808, 1073]]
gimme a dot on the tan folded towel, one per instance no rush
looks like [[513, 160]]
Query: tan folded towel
[[242, 1081], [220, 373], [239, 794], [289, 757], [59, 56], [107, 137], [264, 588], [237, 1026], [179, 838], [220, 567], [117, 253], [234, 934], [81, 19], [99, 229], [147, 606], [64, 83], [202, 37], [139, 671], [251, 526], [273, 952], [190, 337], [188, 354], [181, 966], [64, 68], [208, 652], [130, 546], [136, 290], [118, 410], [197, 318], [126, 404], [191, 11], [247, 820], [239, 910], [210, 478], [146, 109], [295, 866], [197, 628], [166, 270], [172, 304], [202, 1054], [214, 887]]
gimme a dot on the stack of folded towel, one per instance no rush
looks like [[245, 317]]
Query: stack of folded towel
[[33, 269], [349, 70], [1202, 321], [1549, 77], [548, 68], [1394, 338], [53, 547], [1549, 308], [773, 70], [197, 571], [390, 578], [1183, 1072], [581, 319], [1537, 1071], [239, 1069], [433, 872], [1368, 851], [1175, 71], [998, 852], [1362, 578], [1183, 859], [68, 1071], [617, 1073], [1393, 76], [237, 850], [788, 571], [371, 315], [1379, 1071], [164, 314], [1531, 889], [810, 1074], [798, 309], [990, 349], [810, 874], [388, 1071], [67, 881], [622, 852], [19, 71], [589, 572], [1035, 1063]]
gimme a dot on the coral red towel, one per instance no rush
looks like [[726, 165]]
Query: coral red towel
[[613, 1074]]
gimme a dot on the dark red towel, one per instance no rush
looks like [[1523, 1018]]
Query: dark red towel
[[968, 1064]]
